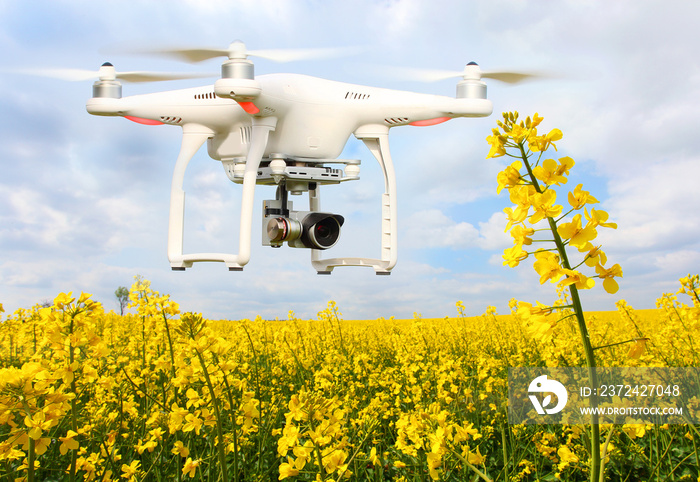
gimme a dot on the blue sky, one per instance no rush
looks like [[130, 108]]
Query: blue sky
[[84, 200]]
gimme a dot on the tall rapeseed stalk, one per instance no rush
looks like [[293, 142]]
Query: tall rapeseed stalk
[[531, 181]]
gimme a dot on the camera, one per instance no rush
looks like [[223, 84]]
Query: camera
[[299, 229]]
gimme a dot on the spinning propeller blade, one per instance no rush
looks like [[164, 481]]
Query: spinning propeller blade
[[434, 75], [238, 50], [107, 72], [188, 55], [293, 55], [161, 76], [72, 75], [511, 77]]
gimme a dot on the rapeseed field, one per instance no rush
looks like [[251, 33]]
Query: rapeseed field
[[164, 395]]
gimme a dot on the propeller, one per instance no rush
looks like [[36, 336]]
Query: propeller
[[238, 51], [471, 71], [107, 73]]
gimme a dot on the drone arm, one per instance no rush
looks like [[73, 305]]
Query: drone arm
[[376, 138]]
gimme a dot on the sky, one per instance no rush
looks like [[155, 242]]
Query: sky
[[84, 199]]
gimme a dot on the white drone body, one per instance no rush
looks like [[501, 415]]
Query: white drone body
[[285, 130]]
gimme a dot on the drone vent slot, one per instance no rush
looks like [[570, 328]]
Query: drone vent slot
[[209, 95], [171, 120], [245, 134], [356, 96], [396, 120]]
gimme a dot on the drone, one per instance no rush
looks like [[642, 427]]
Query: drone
[[287, 131]]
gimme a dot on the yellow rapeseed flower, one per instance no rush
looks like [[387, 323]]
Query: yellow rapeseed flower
[[577, 235], [579, 198], [190, 467], [63, 299], [515, 216], [475, 458], [68, 442], [41, 445], [373, 459], [496, 141], [578, 279], [193, 422], [521, 235], [335, 461], [131, 470], [594, 256], [509, 177], [547, 266], [542, 143], [566, 457], [550, 172], [519, 132], [599, 218], [434, 461], [513, 256], [608, 276], [544, 206], [180, 449], [637, 349]]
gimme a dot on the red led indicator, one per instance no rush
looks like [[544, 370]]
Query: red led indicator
[[141, 120], [430, 122], [249, 107]]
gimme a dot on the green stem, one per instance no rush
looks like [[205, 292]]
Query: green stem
[[235, 426], [170, 347], [565, 215], [219, 428], [605, 451], [30, 461], [370, 430], [255, 360], [145, 394], [615, 344], [505, 452], [478, 472]]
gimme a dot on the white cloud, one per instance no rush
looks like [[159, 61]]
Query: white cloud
[[397, 18], [431, 228], [656, 207], [34, 218], [493, 233], [446, 165], [678, 261]]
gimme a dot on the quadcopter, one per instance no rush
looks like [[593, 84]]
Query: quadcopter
[[287, 131]]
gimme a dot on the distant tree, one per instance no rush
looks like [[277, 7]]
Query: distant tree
[[122, 295]]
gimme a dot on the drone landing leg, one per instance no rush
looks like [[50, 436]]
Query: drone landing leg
[[378, 144], [258, 143], [191, 142]]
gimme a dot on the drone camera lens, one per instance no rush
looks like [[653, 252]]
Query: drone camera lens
[[322, 231]]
